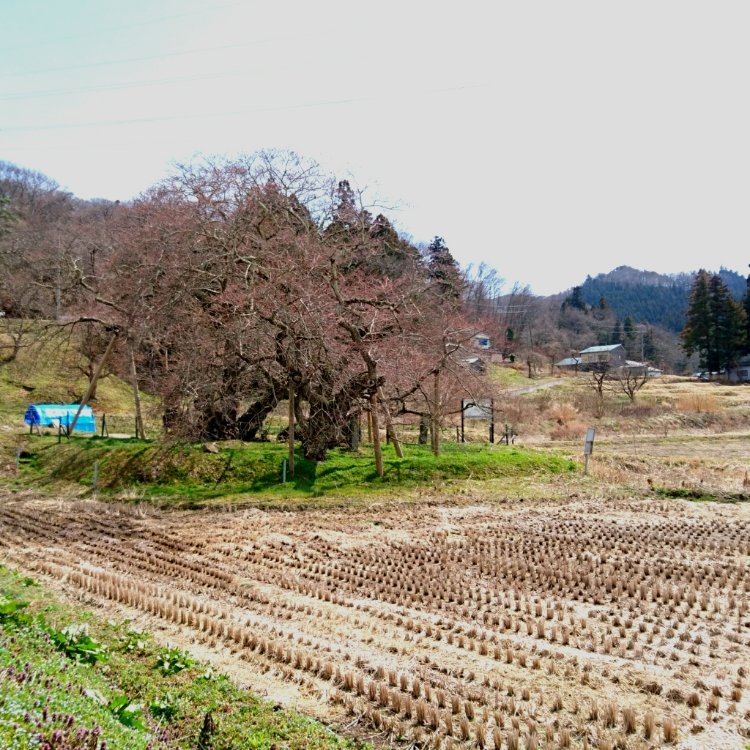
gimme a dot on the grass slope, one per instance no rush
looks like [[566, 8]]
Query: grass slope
[[105, 686], [187, 472]]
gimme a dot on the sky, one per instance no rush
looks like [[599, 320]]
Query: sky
[[550, 140]]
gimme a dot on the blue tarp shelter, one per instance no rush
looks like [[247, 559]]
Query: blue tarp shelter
[[52, 415]]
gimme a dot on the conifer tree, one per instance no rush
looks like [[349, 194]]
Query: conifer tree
[[443, 269], [716, 324]]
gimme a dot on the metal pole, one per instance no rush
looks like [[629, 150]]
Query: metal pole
[[96, 474], [463, 433], [283, 471]]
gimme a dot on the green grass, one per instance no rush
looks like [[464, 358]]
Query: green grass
[[186, 472], [508, 377], [701, 496], [125, 699]]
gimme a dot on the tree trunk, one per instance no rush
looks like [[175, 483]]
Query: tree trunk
[[424, 429], [354, 433], [92, 385], [251, 422], [139, 431], [291, 429], [389, 431], [376, 434], [436, 414]]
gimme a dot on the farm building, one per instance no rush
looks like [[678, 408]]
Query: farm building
[[596, 357], [54, 415], [569, 363]]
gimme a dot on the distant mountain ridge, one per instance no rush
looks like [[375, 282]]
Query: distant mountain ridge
[[650, 297]]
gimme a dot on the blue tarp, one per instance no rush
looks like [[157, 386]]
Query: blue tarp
[[50, 415]]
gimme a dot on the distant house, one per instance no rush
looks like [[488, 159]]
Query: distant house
[[482, 341], [741, 373], [569, 363], [603, 357]]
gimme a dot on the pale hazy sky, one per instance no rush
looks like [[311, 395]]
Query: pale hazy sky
[[550, 139]]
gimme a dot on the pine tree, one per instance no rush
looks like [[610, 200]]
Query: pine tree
[[629, 333], [716, 324], [746, 305], [729, 322], [443, 269], [697, 335], [575, 299], [649, 347], [616, 336]]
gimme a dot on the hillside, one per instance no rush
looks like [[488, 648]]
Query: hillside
[[649, 297]]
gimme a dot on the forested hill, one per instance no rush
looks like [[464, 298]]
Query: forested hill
[[649, 297]]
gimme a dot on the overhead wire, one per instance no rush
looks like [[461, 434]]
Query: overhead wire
[[44, 42], [214, 115]]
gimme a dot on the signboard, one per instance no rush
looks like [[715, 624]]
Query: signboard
[[588, 445], [479, 409]]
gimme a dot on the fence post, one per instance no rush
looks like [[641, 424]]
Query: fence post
[[96, 473], [283, 471]]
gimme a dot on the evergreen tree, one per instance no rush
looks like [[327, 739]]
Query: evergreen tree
[[729, 323], [649, 347], [716, 324], [575, 300], [443, 270], [616, 336], [697, 336], [746, 305], [630, 333]]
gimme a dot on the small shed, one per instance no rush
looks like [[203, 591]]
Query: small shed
[[569, 362], [52, 415]]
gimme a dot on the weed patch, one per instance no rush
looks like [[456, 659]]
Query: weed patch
[[54, 691]]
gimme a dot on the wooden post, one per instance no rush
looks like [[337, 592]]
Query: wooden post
[[139, 431], [463, 423], [376, 433], [291, 429], [92, 384], [492, 420]]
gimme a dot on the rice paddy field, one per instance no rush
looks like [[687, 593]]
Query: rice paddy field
[[581, 623]]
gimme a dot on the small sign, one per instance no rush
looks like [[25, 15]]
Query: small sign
[[588, 446]]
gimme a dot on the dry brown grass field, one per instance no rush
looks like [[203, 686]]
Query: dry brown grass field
[[599, 611]]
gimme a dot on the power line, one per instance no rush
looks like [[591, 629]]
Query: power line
[[116, 86], [124, 60], [214, 115], [120, 27]]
